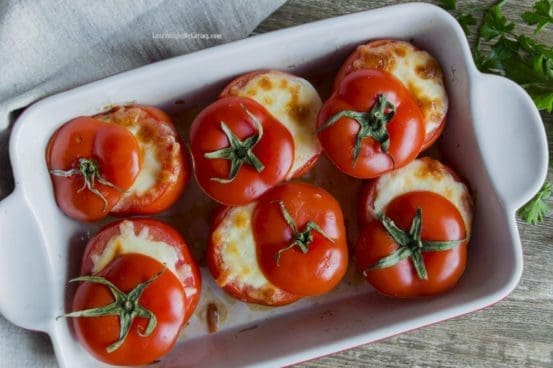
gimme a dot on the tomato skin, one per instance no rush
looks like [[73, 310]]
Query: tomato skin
[[348, 66], [275, 150], [325, 263], [159, 231], [440, 221], [247, 294], [114, 149], [164, 297], [365, 207], [152, 126], [358, 92]]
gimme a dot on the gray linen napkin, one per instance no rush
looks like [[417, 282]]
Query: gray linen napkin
[[47, 46]]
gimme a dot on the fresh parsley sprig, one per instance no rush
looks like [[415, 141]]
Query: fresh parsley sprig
[[540, 16], [465, 18], [523, 59], [537, 209]]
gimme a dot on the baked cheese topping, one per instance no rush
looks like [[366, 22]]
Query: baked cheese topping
[[158, 147], [424, 174], [128, 241], [295, 103], [419, 72], [149, 172], [235, 244]]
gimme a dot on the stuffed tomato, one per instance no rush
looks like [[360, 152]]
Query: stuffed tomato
[[239, 150], [139, 287], [128, 160], [370, 125], [418, 71], [291, 100], [415, 224], [289, 244]]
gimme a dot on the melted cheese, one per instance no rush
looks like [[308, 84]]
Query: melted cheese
[[419, 71], [424, 174], [295, 103], [128, 241], [235, 244], [159, 149], [149, 172]]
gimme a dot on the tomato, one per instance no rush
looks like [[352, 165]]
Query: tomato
[[184, 265], [165, 171], [419, 71], [91, 164], [161, 304], [301, 239], [293, 101], [239, 150], [420, 268], [370, 125], [237, 272]]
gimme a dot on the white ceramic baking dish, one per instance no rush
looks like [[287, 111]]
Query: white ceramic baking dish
[[494, 138]]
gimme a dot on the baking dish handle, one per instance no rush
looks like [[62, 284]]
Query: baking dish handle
[[25, 281], [512, 138]]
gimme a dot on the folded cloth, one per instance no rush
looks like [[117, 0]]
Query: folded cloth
[[48, 46]]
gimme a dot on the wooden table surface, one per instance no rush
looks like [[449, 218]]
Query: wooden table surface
[[516, 332]]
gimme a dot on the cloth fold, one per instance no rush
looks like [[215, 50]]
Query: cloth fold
[[49, 46]]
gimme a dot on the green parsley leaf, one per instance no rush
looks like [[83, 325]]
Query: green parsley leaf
[[495, 24], [540, 16], [537, 208], [448, 4], [466, 21], [520, 58], [542, 98]]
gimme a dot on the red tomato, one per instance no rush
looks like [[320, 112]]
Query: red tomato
[[265, 294], [84, 156], [165, 170], [301, 239], [293, 106], [439, 270], [385, 60], [163, 298], [370, 125], [158, 231], [239, 150]]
